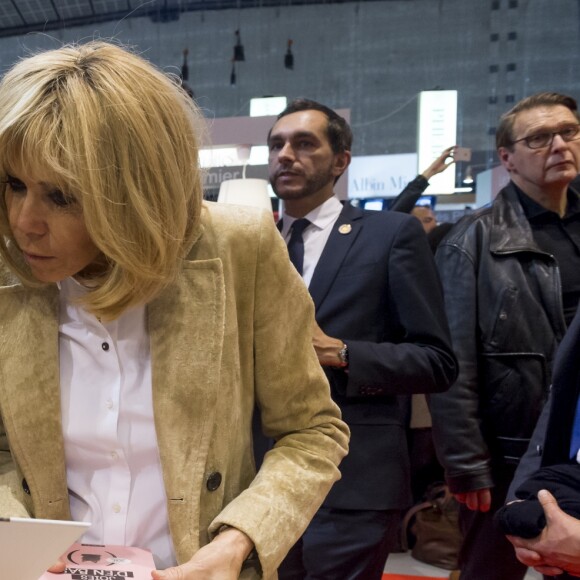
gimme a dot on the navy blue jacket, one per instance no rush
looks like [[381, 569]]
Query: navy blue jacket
[[376, 288]]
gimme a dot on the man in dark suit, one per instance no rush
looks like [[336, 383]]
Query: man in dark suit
[[381, 332]]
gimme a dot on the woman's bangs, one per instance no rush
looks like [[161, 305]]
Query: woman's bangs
[[36, 151]]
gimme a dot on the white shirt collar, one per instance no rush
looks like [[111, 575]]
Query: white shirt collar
[[321, 216]]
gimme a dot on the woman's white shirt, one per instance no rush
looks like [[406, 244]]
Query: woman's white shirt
[[112, 459]]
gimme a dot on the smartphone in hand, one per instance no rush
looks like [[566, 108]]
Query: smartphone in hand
[[462, 154]]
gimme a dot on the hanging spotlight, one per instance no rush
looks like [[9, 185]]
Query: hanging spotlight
[[184, 66], [468, 179], [184, 75], [239, 49], [289, 57]]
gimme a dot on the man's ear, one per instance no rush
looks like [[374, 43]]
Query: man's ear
[[341, 162], [505, 156]]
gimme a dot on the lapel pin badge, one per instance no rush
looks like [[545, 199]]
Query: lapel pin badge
[[345, 229]]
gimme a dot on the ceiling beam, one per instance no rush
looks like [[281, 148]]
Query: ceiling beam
[[146, 10], [18, 11]]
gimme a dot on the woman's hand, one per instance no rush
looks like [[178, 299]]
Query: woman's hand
[[221, 559]]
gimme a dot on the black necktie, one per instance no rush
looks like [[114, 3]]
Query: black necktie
[[296, 243]]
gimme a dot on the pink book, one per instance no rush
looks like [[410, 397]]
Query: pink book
[[91, 562]]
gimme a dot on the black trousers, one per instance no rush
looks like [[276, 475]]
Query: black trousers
[[343, 545], [486, 554]]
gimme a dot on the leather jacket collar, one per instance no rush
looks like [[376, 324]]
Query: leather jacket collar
[[510, 230]]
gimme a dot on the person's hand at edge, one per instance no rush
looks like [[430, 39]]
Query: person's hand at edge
[[557, 548], [58, 568], [534, 560], [478, 500], [440, 164]]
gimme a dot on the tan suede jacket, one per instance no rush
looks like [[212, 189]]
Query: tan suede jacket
[[234, 330]]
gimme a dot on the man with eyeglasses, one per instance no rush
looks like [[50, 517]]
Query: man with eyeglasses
[[511, 279]]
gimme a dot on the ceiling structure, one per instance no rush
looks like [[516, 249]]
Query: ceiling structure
[[23, 16]]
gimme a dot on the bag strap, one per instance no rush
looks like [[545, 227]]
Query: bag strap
[[446, 501], [408, 517]]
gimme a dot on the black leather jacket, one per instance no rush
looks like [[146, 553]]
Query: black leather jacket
[[504, 305]]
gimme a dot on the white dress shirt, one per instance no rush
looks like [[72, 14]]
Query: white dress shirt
[[316, 235], [112, 459]]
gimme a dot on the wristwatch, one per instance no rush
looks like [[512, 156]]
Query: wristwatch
[[343, 355]]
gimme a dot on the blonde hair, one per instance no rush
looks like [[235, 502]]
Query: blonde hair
[[122, 138]]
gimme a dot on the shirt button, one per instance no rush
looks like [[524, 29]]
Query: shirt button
[[109, 404], [114, 455], [105, 346], [116, 508]]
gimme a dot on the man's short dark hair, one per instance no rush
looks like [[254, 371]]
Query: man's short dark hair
[[504, 136], [338, 131]]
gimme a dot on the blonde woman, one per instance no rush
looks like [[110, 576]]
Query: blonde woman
[[140, 326]]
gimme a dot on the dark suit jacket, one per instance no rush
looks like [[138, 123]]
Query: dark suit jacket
[[550, 443], [376, 288], [565, 393]]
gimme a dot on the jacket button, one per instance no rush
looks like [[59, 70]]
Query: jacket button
[[539, 450], [25, 487], [502, 316], [214, 480]]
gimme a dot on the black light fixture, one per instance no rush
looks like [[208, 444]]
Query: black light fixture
[[184, 75], [239, 48], [289, 57], [468, 179], [184, 66]]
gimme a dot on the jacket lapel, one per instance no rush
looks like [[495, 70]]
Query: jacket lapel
[[343, 235], [30, 393], [186, 325], [511, 233]]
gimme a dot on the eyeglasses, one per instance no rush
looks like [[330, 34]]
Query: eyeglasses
[[541, 140]]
